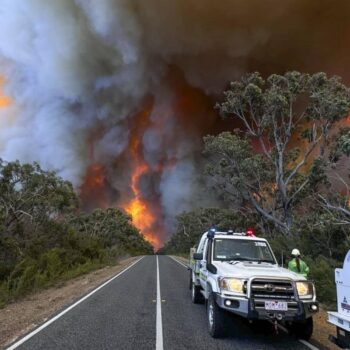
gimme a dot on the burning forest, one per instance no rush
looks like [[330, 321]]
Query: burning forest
[[116, 96]]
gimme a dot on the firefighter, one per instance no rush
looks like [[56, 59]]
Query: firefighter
[[297, 265]]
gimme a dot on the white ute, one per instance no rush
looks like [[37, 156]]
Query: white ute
[[238, 273], [341, 319]]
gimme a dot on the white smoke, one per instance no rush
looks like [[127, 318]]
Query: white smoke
[[78, 70], [68, 68]]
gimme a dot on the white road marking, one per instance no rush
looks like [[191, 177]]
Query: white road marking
[[309, 345], [159, 326], [37, 330], [178, 261], [306, 343]]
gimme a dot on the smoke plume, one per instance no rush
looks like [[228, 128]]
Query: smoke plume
[[115, 95]]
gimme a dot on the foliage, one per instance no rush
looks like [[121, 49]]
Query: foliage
[[337, 208], [29, 195], [280, 158], [44, 238], [341, 145], [112, 227], [335, 198], [191, 226], [322, 272], [277, 172]]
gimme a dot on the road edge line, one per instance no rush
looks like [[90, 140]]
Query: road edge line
[[179, 262], [53, 319], [309, 345], [159, 326]]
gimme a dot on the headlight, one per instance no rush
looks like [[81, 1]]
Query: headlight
[[305, 290], [232, 285]]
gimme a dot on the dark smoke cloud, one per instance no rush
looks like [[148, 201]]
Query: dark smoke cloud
[[78, 72]]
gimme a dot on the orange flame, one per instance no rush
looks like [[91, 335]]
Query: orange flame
[[140, 211], [92, 191], [96, 176], [4, 100]]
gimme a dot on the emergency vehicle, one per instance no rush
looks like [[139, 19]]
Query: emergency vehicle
[[237, 273], [341, 319]]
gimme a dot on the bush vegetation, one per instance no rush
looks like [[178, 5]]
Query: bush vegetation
[[285, 171], [45, 238]]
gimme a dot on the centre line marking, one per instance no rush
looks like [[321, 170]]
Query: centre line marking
[[159, 326]]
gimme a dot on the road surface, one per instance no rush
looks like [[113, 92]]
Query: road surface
[[148, 306]]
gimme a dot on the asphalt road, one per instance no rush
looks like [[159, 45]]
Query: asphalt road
[[123, 315]]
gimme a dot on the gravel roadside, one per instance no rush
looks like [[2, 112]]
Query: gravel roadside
[[18, 318]]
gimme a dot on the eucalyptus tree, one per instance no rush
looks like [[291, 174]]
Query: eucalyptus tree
[[277, 157]]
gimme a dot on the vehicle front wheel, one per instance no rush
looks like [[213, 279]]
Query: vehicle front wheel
[[196, 295], [217, 318], [303, 329]]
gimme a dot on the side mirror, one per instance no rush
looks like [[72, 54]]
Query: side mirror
[[198, 256]]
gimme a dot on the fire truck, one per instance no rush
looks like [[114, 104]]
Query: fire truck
[[237, 273], [341, 318]]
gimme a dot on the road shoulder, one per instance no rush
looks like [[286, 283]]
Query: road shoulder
[[18, 318]]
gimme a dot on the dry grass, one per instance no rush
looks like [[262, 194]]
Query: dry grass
[[322, 329], [18, 318]]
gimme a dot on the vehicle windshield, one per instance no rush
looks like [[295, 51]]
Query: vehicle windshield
[[242, 250]]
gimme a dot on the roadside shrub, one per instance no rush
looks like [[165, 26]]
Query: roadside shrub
[[322, 272], [22, 278], [4, 295]]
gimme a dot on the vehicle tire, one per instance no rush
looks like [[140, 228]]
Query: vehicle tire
[[216, 318], [303, 330], [196, 295]]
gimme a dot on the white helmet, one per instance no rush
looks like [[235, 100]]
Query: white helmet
[[295, 252]]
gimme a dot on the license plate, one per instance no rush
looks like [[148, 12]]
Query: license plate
[[276, 305]]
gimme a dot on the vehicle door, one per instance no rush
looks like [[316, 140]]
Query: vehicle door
[[203, 272]]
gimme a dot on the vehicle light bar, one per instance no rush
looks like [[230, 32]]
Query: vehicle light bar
[[211, 233], [250, 232]]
